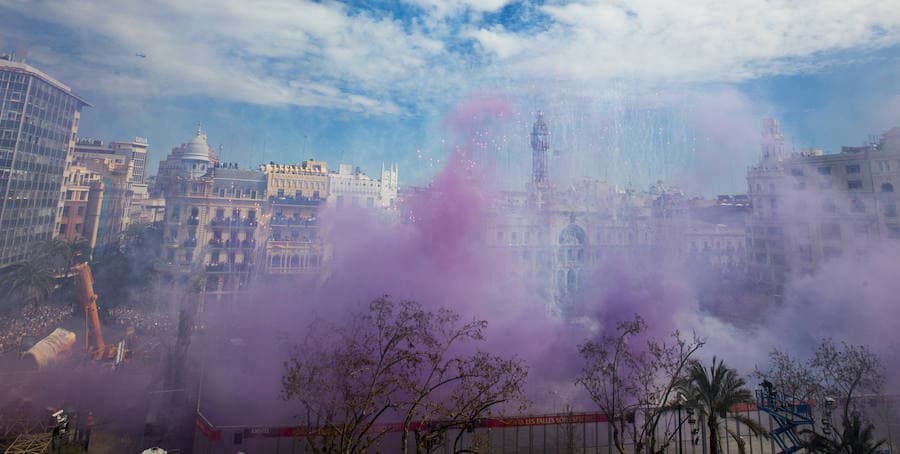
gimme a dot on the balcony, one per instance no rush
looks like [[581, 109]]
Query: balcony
[[193, 220], [216, 242], [294, 221], [233, 222], [228, 267], [190, 242], [248, 244], [288, 200]]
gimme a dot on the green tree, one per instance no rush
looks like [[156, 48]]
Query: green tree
[[126, 270], [712, 392], [32, 281], [25, 283], [857, 437]]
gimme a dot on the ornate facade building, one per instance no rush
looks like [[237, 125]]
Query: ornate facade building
[[231, 224], [351, 186], [295, 193], [809, 207], [558, 234]]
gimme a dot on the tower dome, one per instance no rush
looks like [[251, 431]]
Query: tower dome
[[197, 149]]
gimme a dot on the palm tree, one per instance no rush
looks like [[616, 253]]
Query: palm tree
[[712, 392], [55, 255], [26, 282], [856, 438]]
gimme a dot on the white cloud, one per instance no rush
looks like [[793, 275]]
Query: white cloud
[[496, 41], [696, 40], [275, 52], [441, 8], [323, 54]]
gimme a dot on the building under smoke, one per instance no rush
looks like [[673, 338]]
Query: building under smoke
[[234, 224], [809, 207], [558, 234]]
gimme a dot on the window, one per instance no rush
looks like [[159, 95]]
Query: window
[[62, 229], [797, 172], [887, 187], [65, 211], [858, 206], [79, 211], [854, 184], [831, 252], [831, 231], [315, 195], [77, 228], [824, 170], [893, 230], [281, 193], [890, 210], [853, 168], [370, 202]]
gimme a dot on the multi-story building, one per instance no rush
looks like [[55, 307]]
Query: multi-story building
[[556, 236], [809, 207], [223, 221], [80, 216], [295, 194], [38, 121], [351, 186], [134, 155], [96, 201]]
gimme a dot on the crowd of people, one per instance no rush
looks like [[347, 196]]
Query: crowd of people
[[34, 320], [142, 320], [38, 321]]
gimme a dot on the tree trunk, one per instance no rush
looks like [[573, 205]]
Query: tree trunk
[[405, 438], [712, 424]]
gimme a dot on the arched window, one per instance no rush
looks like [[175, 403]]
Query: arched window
[[887, 187]]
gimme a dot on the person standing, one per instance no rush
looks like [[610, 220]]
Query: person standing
[[89, 426]]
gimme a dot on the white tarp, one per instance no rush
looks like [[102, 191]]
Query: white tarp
[[51, 348]]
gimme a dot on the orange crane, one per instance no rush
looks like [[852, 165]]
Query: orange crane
[[84, 284]]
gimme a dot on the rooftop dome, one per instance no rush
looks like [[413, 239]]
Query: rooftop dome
[[197, 149]]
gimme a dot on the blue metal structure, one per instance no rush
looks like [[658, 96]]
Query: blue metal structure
[[788, 413]]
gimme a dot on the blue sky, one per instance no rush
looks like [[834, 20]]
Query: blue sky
[[634, 91]]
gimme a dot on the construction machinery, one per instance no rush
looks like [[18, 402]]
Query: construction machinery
[[84, 286], [789, 414], [51, 349]]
